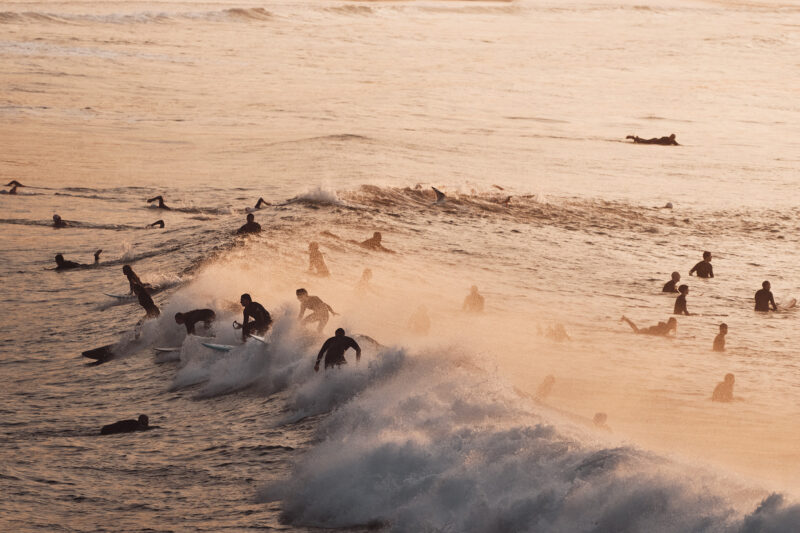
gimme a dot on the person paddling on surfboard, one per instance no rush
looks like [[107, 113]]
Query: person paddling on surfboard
[[190, 318], [58, 222], [662, 329], [333, 349], [159, 223], [261, 319], [62, 264], [374, 243], [667, 141], [764, 299], [160, 200], [127, 426]]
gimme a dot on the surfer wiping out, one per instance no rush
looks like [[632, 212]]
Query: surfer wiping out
[[668, 141], [127, 426], [261, 319], [58, 222], [662, 329], [133, 279], [333, 349], [159, 223], [320, 311], [151, 309], [440, 197], [160, 200], [62, 264], [190, 318], [251, 226], [316, 263]]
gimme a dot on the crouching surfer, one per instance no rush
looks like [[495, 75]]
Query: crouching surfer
[[190, 318], [333, 349], [261, 319]]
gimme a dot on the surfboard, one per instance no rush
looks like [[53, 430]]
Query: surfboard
[[262, 340], [101, 354], [789, 304], [121, 296], [218, 347], [161, 349]]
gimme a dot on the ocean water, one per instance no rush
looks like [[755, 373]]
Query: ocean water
[[343, 115]]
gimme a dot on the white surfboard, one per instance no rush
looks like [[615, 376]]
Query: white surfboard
[[789, 304], [262, 340], [162, 349]]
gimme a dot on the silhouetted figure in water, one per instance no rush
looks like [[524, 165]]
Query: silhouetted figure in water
[[473, 303], [190, 318], [670, 285], [669, 141], [600, 421], [261, 319], [545, 387], [374, 243], [250, 227], [14, 183], [13, 189], [723, 392], [62, 264], [316, 263], [133, 279], [319, 309], [363, 284], [151, 309], [260, 202], [58, 223], [420, 322], [703, 268], [333, 349], [719, 340], [680, 301], [662, 329], [764, 299], [159, 223], [127, 426], [160, 200]]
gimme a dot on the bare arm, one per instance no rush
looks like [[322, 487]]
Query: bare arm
[[302, 310]]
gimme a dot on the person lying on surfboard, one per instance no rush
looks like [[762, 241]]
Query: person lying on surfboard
[[190, 318], [151, 309], [58, 223], [159, 223], [261, 319], [333, 349], [661, 329], [374, 243], [62, 264], [160, 200], [764, 298], [667, 141], [127, 426]]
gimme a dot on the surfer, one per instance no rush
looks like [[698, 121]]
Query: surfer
[[133, 279], [261, 319], [662, 329], [15, 183], [151, 309], [680, 301], [374, 243], [260, 202], [670, 285], [723, 392], [316, 263], [190, 318], [319, 309], [62, 264], [473, 303], [764, 299], [420, 322], [58, 223], [159, 223], [719, 340], [160, 200], [333, 349], [250, 227], [363, 284], [13, 189], [703, 268], [669, 141], [440, 197], [127, 426]]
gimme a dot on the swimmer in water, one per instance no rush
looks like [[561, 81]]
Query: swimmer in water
[[250, 227], [316, 263], [662, 329], [719, 340], [160, 200], [151, 309], [764, 299], [680, 301], [473, 303], [670, 285], [127, 426], [62, 264], [159, 223], [319, 309], [374, 243], [703, 268], [190, 318], [333, 349], [668, 141], [58, 223], [15, 183], [260, 202], [723, 392], [261, 319]]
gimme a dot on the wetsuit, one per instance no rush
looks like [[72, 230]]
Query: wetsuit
[[334, 349], [680, 306], [250, 227], [146, 301], [667, 141], [190, 318], [68, 265], [763, 299], [669, 287], [261, 320], [123, 426], [133, 279], [703, 269]]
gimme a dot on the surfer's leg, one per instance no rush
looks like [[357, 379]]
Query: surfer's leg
[[631, 324]]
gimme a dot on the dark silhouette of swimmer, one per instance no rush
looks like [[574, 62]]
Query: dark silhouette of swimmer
[[662, 329], [316, 263], [15, 183], [13, 189], [190, 318], [670, 285], [261, 319], [719, 340], [127, 426], [151, 309], [160, 200], [58, 223], [133, 279], [333, 349], [374, 243], [764, 299], [723, 392], [600, 421], [62, 264], [703, 268], [420, 322], [473, 303], [159, 223], [668, 141], [250, 227], [680, 301], [319, 309], [260, 202], [545, 387]]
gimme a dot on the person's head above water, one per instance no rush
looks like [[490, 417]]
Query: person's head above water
[[339, 332], [377, 236], [723, 328], [683, 289], [302, 294], [766, 285], [245, 299], [56, 218], [729, 379], [250, 217], [313, 245], [706, 256], [126, 269], [59, 259], [672, 136], [179, 318], [367, 274], [676, 277], [143, 420], [473, 289]]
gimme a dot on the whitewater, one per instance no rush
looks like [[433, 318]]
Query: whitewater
[[343, 116]]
